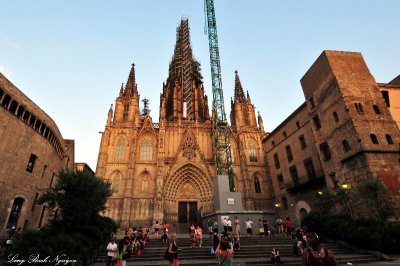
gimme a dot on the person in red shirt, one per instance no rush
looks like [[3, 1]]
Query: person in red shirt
[[199, 233]]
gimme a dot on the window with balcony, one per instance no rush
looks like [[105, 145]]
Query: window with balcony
[[294, 175], [309, 167]]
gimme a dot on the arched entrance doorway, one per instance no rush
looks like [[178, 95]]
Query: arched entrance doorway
[[188, 193]]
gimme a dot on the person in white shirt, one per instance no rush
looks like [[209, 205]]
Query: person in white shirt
[[225, 224], [112, 249], [248, 227], [229, 222]]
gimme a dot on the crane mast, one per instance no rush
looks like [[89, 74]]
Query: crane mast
[[222, 150]]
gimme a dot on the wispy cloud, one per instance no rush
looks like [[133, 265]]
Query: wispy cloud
[[10, 42], [8, 74]]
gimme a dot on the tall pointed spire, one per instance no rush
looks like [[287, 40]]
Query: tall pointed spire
[[239, 93], [183, 92], [131, 87]]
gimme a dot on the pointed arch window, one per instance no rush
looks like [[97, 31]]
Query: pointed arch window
[[252, 152], [246, 116], [257, 186], [146, 150], [15, 212], [115, 182], [126, 112], [119, 151]]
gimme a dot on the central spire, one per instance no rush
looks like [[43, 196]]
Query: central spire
[[183, 94], [184, 67]]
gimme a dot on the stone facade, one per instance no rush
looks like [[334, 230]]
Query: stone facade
[[32, 151], [165, 170], [295, 166], [350, 126]]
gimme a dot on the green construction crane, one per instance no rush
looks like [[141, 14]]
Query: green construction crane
[[222, 147]]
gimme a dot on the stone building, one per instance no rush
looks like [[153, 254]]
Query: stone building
[[32, 151], [295, 167], [165, 170], [348, 123]]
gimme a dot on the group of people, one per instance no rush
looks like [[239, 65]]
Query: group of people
[[224, 244], [195, 235], [133, 243]]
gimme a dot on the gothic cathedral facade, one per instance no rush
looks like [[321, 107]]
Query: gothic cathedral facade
[[165, 170]]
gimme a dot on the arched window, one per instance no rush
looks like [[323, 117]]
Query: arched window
[[126, 112], [246, 116], [336, 117], [119, 151], [15, 212], [115, 182], [376, 109], [374, 139], [389, 139], [359, 107], [146, 150], [257, 186], [252, 152], [346, 145]]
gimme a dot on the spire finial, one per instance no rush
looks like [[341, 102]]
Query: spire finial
[[239, 94], [131, 88]]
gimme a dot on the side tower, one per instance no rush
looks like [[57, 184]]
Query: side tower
[[355, 132], [249, 164]]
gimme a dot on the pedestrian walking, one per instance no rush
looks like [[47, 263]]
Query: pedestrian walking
[[249, 225], [112, 251]]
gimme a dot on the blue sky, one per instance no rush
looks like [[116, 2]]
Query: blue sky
[[70, 57]]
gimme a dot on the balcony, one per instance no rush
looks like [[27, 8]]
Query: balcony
[[306, 182]]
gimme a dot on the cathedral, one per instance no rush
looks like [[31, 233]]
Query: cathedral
[[164, 170]]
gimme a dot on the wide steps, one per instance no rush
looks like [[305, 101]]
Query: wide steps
[[254, 250]]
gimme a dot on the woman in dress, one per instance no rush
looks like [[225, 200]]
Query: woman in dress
[[173, 250]]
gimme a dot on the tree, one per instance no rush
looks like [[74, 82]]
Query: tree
[[77, 227], [376, 198]]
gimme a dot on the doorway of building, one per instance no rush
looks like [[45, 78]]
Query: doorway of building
[[187, 212]]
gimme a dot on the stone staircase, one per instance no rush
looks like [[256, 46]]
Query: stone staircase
[[254, 250]]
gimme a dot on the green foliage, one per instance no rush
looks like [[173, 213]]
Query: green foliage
[[79, 195], [366, 234], [78, 229], [376, 197]]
